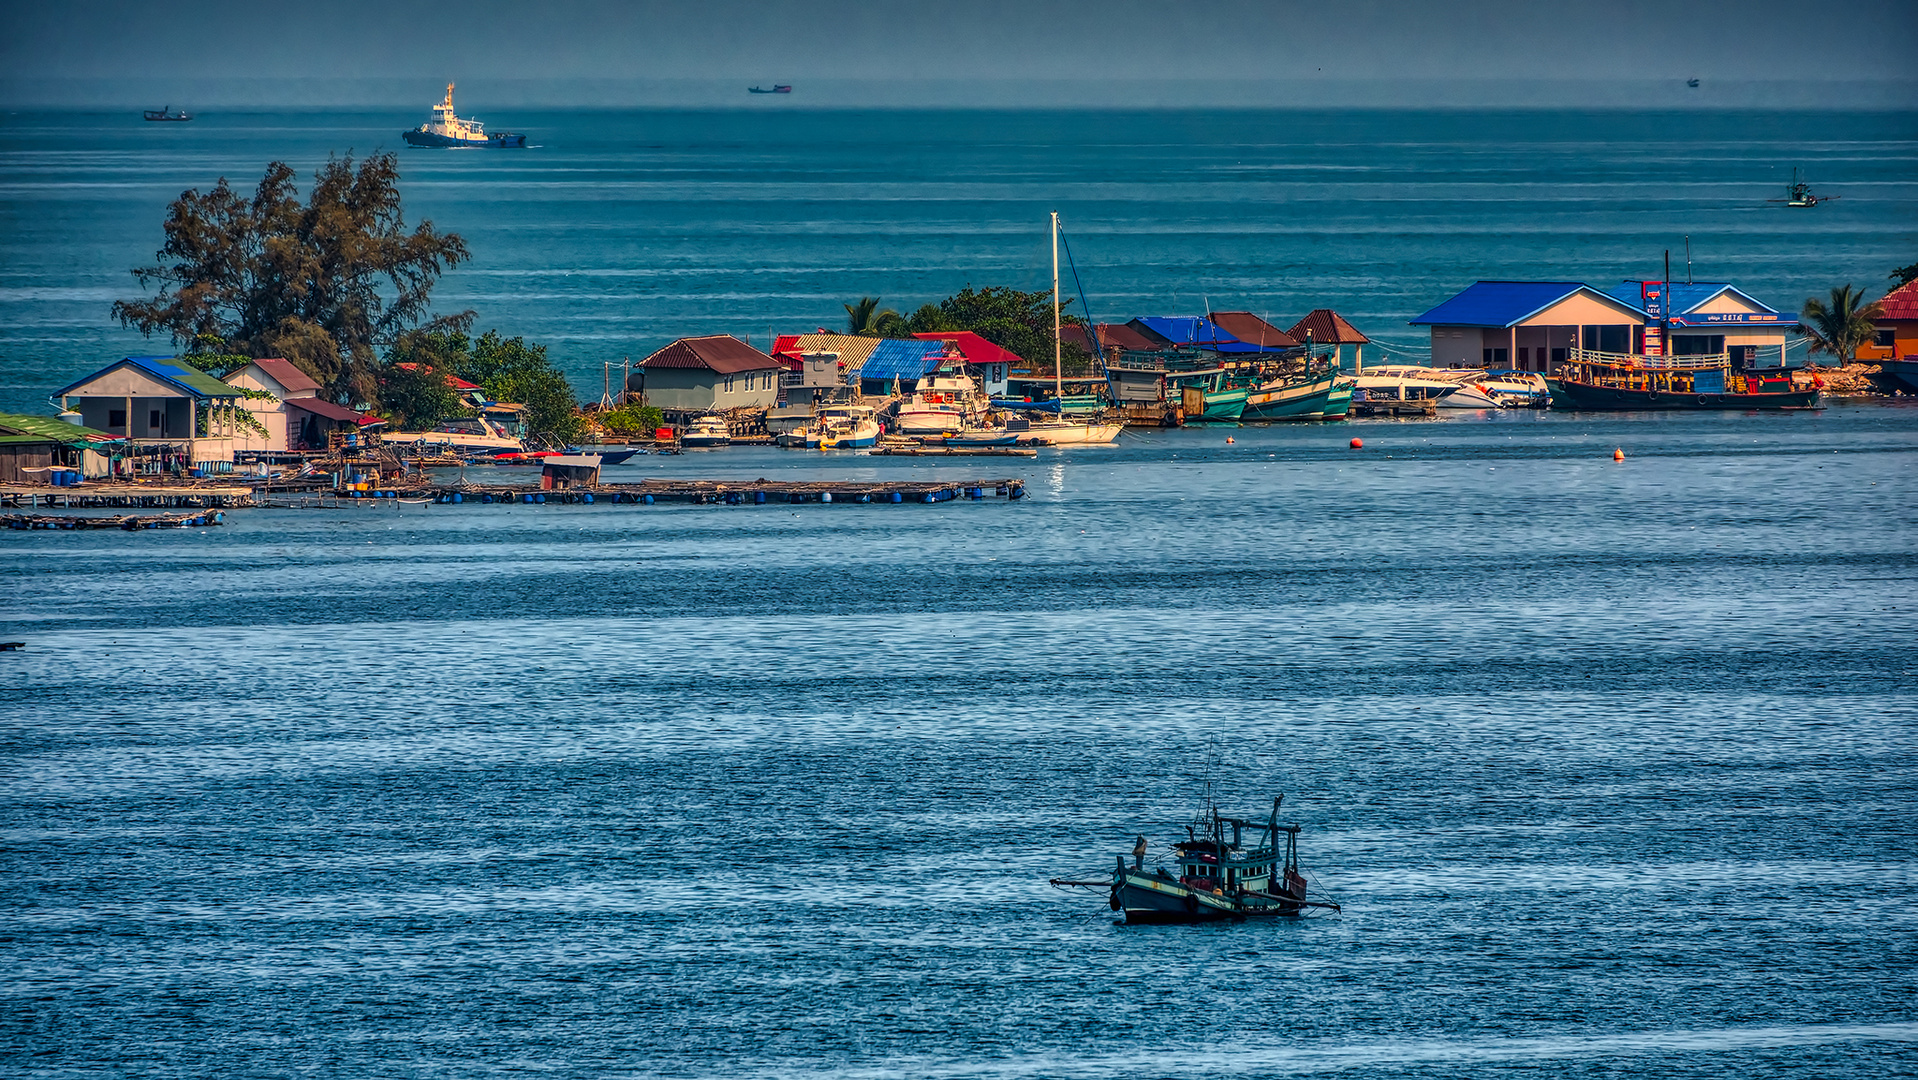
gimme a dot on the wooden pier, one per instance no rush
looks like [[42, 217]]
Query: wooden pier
[[98, 496], [727, 492], [129, 522]]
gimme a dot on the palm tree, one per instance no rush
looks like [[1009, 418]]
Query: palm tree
[[1841, 326], [862, 318]]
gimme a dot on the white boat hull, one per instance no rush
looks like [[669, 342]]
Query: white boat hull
[[455, 440], [1073, 434]]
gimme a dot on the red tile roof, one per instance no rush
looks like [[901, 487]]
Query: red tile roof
[[453, 381], [1251, 329], [1901, 302], [286, 374], [720, 353], [1328, 327], [977, 350]]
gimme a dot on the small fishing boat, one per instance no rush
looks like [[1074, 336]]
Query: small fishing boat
[[777, 88], [1798, 194], [1316, 397], [608, 455], [708, 432], [1238, 869], [166, 114]]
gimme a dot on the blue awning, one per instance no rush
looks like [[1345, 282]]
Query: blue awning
[[906, 360]]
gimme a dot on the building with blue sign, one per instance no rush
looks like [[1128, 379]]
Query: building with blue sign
[[1534, 325]]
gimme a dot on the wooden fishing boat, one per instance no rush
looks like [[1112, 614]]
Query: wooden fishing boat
[[1612, 383], [1215, 876]]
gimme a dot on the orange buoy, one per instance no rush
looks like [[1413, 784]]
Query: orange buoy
[[1358, 444], [1228, 440], [1618, 455]]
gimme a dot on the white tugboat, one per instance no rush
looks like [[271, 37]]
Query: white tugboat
[[447, 129]]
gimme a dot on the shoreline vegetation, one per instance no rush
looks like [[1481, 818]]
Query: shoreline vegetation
[[339, 286]]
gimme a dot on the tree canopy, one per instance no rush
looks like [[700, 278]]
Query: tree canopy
[[1009, 318], [1905, 275], [1841, 326], [322, 283], [506, 369]]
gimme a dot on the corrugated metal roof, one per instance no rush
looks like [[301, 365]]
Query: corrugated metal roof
[[172, 370], [977, 350], [1184, 330], [1503, 304], [328, 410], [1902, 302], [51, 428], [1686, 299], [287, 374], [1327, 327], [895, 358], [720, 353], [1252, 330], [852, 349]]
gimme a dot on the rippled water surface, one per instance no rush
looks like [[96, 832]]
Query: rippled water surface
[[1609, 764]]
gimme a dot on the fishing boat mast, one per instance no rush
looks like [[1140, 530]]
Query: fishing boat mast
[[1058, 349]]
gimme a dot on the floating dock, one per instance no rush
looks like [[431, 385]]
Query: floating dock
[[727, 492], [128, 522], [96, 496]]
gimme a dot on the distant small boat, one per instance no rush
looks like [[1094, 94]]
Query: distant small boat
[[1799, 194], [778, 88], [167, 113], [1693, 83]]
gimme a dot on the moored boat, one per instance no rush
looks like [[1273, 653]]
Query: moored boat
[[708, 432], [845, 427], [1238, 869], [1321, 397], [1613, 383], [165, 114], [943, 404]]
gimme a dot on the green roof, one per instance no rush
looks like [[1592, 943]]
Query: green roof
[[20, 428], [171, 369]]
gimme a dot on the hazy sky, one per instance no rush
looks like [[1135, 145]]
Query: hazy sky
[[961, 39]]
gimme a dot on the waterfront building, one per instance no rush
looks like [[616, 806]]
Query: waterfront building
[[1529, 325], [1895, 346], [295, 417], [32, 446], [1534, 325], [159, 405], [1251, 329], [707, 374], [1707, 319]]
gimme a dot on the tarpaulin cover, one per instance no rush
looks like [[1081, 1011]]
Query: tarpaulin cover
[[909, 360]]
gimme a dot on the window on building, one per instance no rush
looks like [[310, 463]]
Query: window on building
[[153, 419], [1496, 357], [729, 384], [1885, 339], [1559, 355], [116, 418]]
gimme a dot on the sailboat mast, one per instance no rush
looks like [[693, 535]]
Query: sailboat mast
[[1058, 348]]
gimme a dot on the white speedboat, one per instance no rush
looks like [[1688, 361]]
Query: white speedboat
[[470, 435], [708, 432], [1501, 390], [846, 427], [943, 404], [1408, 382]]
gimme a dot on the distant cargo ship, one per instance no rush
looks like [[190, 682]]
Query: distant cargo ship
[[778, 88], [446, 129]]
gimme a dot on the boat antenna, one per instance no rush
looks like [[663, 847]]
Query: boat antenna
[[1664, 309], [1688, 258]]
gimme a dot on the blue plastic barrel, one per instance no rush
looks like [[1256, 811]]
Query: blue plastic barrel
[[647, 499], [825, 496], [896, 497], [586, 497], [457, 497], [759, 498]]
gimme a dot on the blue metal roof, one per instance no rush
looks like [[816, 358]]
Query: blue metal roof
[[1689, 298], [897, 359], [1200, 333], [185, 377], [1507, 303]]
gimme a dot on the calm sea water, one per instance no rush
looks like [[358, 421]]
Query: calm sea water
[[1611, 766], [624, 230]]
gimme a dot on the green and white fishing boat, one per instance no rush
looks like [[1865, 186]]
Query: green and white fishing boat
[[1313, 397]]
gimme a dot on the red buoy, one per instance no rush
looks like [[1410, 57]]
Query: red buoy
[[1228, 440], [1358, 444], [1619, 454]]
